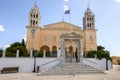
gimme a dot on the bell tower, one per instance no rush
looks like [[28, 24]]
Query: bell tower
[[88, 19], [33, 28], [34, 16], [90, 42]]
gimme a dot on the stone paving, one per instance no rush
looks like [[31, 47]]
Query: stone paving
[[113, 74]]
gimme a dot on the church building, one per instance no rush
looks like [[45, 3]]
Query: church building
[[72, 40]]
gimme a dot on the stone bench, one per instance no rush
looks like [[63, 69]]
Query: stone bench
[[10, 70]]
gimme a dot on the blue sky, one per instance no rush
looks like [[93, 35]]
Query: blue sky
[[14, 18]]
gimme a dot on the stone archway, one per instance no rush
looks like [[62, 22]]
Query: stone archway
[[68, 55], [54, 48], [71, 51], [54, 51], [46, 48]]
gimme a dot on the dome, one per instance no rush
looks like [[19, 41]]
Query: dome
[[35, 9], [88, 10]]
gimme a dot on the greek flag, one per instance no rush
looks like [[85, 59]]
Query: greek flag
[[66, 9]]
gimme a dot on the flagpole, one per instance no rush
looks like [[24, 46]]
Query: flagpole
[[63, 11], [67, 10], [70, 20], [71, 29]]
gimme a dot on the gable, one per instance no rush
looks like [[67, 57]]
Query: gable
[[70, 35], [61, 26]]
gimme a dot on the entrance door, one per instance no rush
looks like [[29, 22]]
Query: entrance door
[[69, 52]]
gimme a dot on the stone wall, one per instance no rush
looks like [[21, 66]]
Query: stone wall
[[96, 63], [27, 64]]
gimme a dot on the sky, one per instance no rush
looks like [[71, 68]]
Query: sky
[[14, 19]]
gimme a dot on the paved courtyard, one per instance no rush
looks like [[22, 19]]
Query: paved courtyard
[[113, 74]]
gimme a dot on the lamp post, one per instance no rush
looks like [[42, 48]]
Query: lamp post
[[106, 62], [33, 37], [107, 56], [34, 61]]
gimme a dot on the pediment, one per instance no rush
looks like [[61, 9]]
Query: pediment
[[71, 35], [61, 26]]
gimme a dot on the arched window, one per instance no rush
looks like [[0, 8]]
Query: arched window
[[31, 15], [88, 25], [34, 23], [92, 19], [34, 16], [37, 16], [92, 24], [54, 48], [31, 22], [87, 18], [54, 39], [91, 38], [45, 38]]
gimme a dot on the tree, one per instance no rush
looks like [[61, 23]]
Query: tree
[[101, 48], [91, 54], [100, 53], [11, 51], [1, 51], [23, 43]]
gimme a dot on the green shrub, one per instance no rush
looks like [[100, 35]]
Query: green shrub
[[0, 54], [11, 51], [39, 54], [48, 54], [8, 54], [91, 54]]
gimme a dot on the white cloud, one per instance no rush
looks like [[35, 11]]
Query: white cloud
[[66, 0], [6, 46], [24, 38], [117, 1], [2, 28]]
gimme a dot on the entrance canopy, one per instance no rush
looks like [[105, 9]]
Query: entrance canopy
[[71, 47]]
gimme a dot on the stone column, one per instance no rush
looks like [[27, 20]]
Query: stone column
[[74, 59], [81, 51], [44, 53], [58, 53], [62, 51], [51, 52], [31, 53], [3, 54], [78, 52], [95, 56], [17, 53]]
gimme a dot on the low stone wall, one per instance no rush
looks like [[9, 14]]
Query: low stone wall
[[96, 63], [25, 64]]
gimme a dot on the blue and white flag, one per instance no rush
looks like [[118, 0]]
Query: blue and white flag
[[66, 9]]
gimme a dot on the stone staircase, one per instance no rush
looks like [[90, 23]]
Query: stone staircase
[[71, 69]]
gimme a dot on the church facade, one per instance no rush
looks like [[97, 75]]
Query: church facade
[[70, 38]]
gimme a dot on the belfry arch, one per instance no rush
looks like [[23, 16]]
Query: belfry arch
[[71, 47]]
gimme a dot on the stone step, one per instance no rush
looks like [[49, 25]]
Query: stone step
[[70, 73], [71, 69]]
